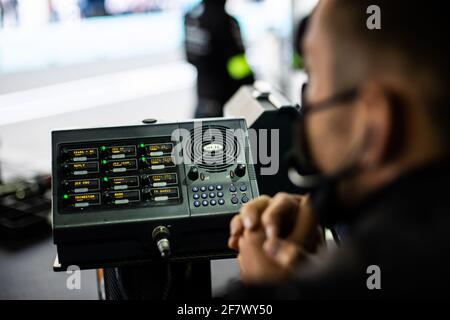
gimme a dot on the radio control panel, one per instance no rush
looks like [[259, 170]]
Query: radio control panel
[[113, 186]]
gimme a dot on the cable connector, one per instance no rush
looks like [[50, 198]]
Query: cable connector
[[161, 236]]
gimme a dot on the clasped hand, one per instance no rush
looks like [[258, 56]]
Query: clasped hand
[[273, 235]]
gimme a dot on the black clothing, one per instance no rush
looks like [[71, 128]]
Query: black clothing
[[207, 108], [212, 38], [404, 228]]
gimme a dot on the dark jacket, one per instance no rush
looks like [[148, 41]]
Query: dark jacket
[[212, 38], [404, 229]]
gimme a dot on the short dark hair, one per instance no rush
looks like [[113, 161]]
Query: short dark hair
[[415, 32]]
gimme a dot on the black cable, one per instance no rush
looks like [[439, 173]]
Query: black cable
[[335, 236], [168, 285], [122, 290], [113, 290]]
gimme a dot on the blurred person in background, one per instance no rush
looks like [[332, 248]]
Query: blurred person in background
[[9, 14], [298, 40], [115, 7], [214, 46], [63, 10], [92, 8], [376, 130]]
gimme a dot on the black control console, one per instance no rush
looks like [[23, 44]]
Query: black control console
[[113, 186]]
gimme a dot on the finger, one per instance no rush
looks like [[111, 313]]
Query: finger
[[251, 212], [252, 259], [285, 253], [236, 226], [241, 243], [280, 214], [305, 230], [233, 243], [255, 237], [236, 229], [241, 266], [242, 270], [250, 243]]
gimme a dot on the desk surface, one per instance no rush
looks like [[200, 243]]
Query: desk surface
[[26, 272]]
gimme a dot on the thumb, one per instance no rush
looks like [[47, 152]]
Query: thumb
[[283, 252]]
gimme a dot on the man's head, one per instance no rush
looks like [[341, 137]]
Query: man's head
[[400, 114]]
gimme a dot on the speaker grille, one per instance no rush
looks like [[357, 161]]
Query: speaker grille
[[213, 147]]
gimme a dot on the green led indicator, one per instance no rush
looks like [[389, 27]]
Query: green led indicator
[[105, 179], [104, 161], [66, 196], [142, 145], [103, 148], [143, 158]]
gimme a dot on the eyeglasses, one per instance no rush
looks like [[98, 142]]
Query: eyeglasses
[[336, 100]]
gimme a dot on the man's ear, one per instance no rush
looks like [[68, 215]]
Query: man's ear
[[378, 124]]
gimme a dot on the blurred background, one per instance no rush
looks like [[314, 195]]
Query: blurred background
[[91, 63]]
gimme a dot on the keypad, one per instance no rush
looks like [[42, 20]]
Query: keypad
[[208, 197]]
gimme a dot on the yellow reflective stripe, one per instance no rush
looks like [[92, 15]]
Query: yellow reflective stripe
[[298, 61], [238, 67]]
